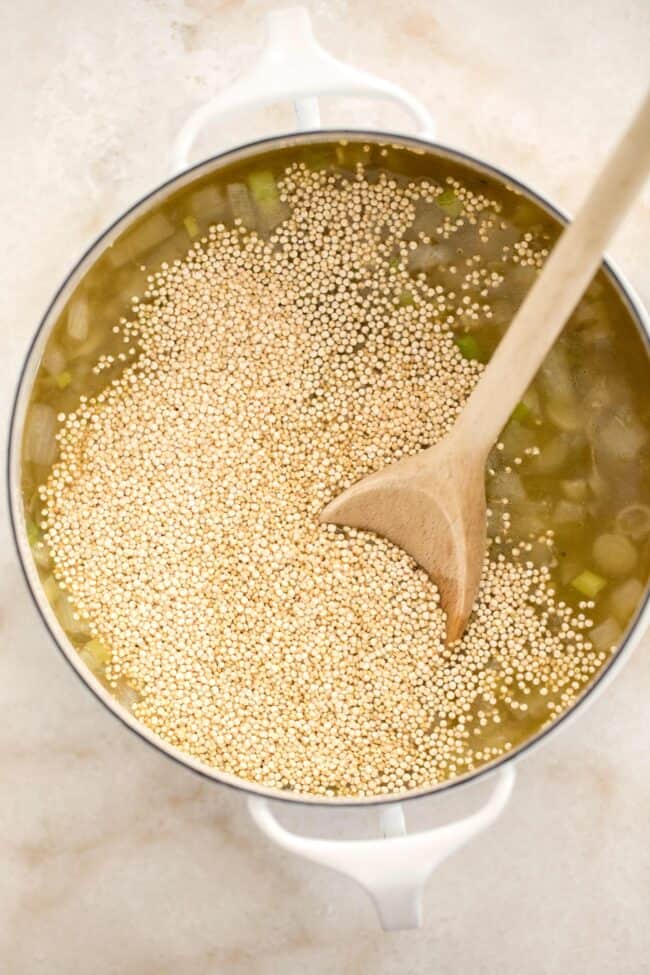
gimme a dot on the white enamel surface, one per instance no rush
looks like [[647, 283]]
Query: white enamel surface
[[395, 869], [115, 860], [293, 66]]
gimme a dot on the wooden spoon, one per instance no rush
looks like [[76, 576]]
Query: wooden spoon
[[433, 504]]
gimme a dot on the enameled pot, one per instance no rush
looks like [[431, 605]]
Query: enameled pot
[[393, 868]]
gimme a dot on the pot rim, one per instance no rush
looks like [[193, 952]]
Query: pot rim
[[105, 238]]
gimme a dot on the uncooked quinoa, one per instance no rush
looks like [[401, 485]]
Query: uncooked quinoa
[[263, 373]]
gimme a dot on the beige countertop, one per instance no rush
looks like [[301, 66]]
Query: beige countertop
[[115, 861]]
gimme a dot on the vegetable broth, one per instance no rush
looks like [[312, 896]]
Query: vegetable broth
[[574, 459]]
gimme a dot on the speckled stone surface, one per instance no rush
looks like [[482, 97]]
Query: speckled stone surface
[[116, 861]]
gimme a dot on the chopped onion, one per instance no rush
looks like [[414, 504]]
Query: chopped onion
[[39, 444], [146, 235], [625, 599], [69, 617], [126, 695], [209, 205], [634, 521], [552, 456], [621, 436], [565, 414], [53, 360], [426, 257], [606, 635], [555, 376], [569, 512], [241, 205], [506, 484], [575, 490], [78, 324], [615, 555]]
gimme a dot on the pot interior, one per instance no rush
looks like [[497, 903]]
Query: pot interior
[[574, 459]]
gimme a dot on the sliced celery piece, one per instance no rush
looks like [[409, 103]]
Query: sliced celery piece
[[521, 412], [405, 299], [63, 379], [266, 195], [449, 203], [263, 186], [34, 533], [469, 347], [589, 583]]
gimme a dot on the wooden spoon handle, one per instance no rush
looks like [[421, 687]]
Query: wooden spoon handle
[[567, 272]]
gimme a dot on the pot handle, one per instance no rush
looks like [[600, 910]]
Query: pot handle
[[294, 66], [394, 870]]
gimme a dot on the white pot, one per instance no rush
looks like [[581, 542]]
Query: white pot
[[393, 869]]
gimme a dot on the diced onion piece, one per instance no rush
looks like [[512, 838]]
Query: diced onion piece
[[51, 589], [241, 205], [41, 555], [565, 415], [209, 205], [589, 583], [506, 484], [516, 439], [621, 436], [53, 360], [615, 555], [95, 655], [78, 324], [529, 518], [634, 521], [126, 695], [69, 618], [569, 512], [39, 444], [569, 569], [426, 257], [606, 635], [575, 489], [552, 456], [625, 598], [555, 376], [146, 235]]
